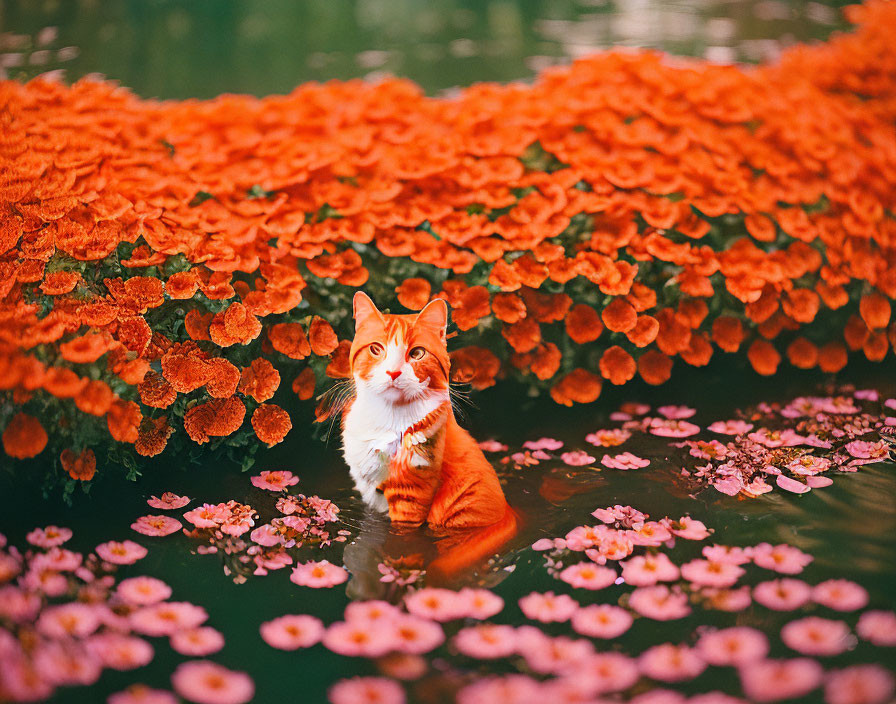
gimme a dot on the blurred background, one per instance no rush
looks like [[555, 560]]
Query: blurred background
[[200, 48]]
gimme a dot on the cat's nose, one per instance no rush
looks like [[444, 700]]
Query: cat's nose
[[394, 374]]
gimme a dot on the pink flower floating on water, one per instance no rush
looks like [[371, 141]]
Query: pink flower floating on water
[[436, 604], [279, 480], [548, 444], [492, 446], [142, 591], [601, 621], [690, 529], [368, 639], [878, 628], [588, 576], [782, 558], [167, 617], [816, 636], [735, 646], [626, 460], [782, 594], [318, 574], [660, 603], [671, 663], [49, 537], [577, 458], [292, 632], [730, 427], [859, 684], [205, 682], [480, 604], [121, 553], [168, 501], [486, 641], [120, 652], [647, 570], [676, 412], [668, 428], [156, 525], [609, 437], [548, 606], [197, 642], [707, 573], [366, 690], [840, 595], [774, 680], [141, 694]]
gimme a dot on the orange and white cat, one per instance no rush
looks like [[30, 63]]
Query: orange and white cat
[[406, 452]]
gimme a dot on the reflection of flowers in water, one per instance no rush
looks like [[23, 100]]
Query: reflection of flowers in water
[[401, 571]]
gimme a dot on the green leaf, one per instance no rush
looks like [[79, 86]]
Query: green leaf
[[200, 198]]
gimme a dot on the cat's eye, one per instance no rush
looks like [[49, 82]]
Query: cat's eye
[[417, 353], [376, 349]]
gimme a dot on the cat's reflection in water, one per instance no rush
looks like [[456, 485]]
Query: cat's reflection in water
[[385, 559]]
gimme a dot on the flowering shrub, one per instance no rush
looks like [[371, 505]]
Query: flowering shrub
[[165, 265]]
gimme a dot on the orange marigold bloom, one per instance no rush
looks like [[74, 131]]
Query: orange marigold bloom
[[674, 336], [833, 296], [81, 466], [182, 285], [222, 376], [152, 437], [236, 325], [60, 282], [802, 353], [470, 306], [62, 382], [654, 367], [289, 339], [504, 276], [155, 391], [620, 315], [545, 361], [215, 418], [761, 227], [322, 337], [508, 307], [24, 437], [134, 333], [303, 385], [259, 380], [644, 332], [699, 350], [144, 292], [95, 398], [617, 365], [339, 366], [693, 311], [546, 307], [185, 368], [876, 346], [123, 420], [579, 386], [583, 324], [197, 324], [727, 333], [85, 349], [523, 336], [875, 311], [855, 332], [764, 357], [271, 423], [832, 357], [801, 304], [131, 371], [414, 293], [476, 366]]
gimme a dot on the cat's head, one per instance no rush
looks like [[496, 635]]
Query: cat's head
[[400, 357]]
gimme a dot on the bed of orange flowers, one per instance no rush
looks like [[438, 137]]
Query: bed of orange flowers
[[165, 266]]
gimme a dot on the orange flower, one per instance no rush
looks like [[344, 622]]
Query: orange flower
[[236, 325], [271, 423], [85, 349], [476, 366], [833, 296], [185, 368], [764, 357], [259, 380], [545, 361], [95, 398], [123, 420], [699, 350], [81, 466], [617, 365], [322, 337], [470, 306], [144, 292], [654, 367], [152, 437], [197, 325], [155, 391], [289, 339], [855, 332], [60, 282], [620, 315], [182, 285], [875, 311], [727, 333], [802, 353], [414, 293], [215, 418], [801, 304], [134, 333], [693, 311], [832, 357], [762, 228], [504, 276], [876, 346], [523, 336], [546, 307], [644, 332], [508, 307], [673, 335], [303, 385], [583, 324], [222, 378], [579, 386], [24, 437], [63, 382], [339, 366]]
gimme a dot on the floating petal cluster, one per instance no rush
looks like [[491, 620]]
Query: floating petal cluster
[[165, 265]]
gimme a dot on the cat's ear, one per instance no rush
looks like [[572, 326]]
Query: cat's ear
[[435, 316], [363, 309]]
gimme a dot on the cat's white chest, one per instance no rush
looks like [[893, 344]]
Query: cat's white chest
[[371, 437]]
